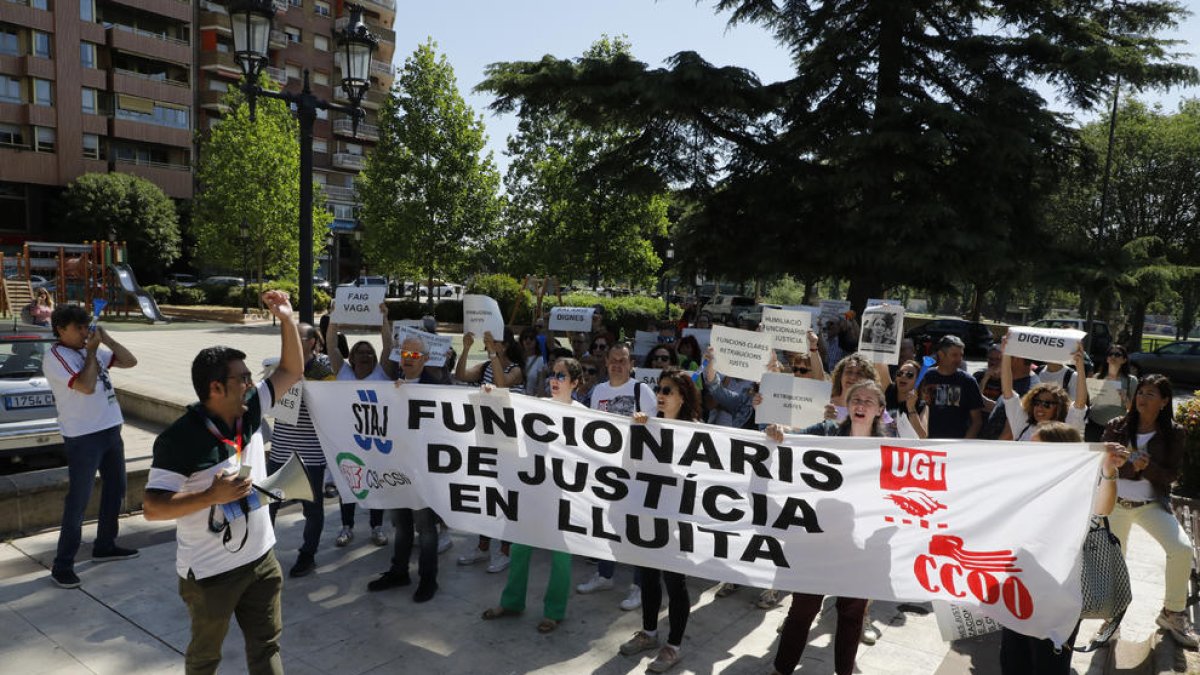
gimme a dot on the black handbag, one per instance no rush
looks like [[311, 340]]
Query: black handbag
[[1105, 582]]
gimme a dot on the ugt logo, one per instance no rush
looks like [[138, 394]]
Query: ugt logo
[[370, 422], [352, 469], [989, 576], [911, 474]]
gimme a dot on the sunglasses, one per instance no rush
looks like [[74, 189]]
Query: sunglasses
[[591, 371], [905, 373], [660, 357], [801, 369], [666, 339], [561, 377], [411, 355], [1119, 355], [665, 390], [599, 346], [1044, 403]]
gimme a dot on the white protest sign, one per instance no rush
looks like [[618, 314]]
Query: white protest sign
[[892, 519], [438, 346], [647, 376], [832, 309], [741, 353], [287, 408], [879, 338], [1055, 345], [703, 336], [1105, 392], [789, 328], [871, 302], [358, 305], [956, 623], [573, 319], [644, 341], [795, 401], [481, 314]]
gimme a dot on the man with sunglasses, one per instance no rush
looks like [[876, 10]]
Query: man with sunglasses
[[90, 420], [206, 460]]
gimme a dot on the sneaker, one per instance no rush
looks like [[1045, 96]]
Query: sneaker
[[726, 589], [870, 634], [476, 555], [596, 583], [640, 642], [305, 565], [389, 579], [667, 657], [768, 599], [345, 536], [114, 553], [1180, 627], [425, 591], [331, 490], [633, 600], [498, 563], [444, 541], [65, 578], [379, 536]]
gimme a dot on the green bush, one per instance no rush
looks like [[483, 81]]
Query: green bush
[[449, 311], [504, 290], [321, 301], [161, 294], [189, 296], [405, 309], [625, 314]]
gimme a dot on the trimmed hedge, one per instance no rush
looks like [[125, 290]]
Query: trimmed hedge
[[161, 294], [189, 296], [624, 314], [504, 290]]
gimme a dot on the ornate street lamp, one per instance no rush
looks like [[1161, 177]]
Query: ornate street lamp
[[251, 22], [667, 282]]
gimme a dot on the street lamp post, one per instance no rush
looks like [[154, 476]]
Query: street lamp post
[[251, 21], [243, 243], [667, 283]]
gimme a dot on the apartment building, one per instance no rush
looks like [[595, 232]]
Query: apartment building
[[124, 85], [304, 38]]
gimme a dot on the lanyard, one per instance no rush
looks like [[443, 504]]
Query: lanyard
[[235, 444]]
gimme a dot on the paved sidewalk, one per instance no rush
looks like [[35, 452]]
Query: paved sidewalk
[[128, 619]]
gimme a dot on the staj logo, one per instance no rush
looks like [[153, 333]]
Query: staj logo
[[370, 422], [910, 475], [989, 576]]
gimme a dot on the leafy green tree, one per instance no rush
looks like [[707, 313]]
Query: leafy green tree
[[248, 170], [910, 146], [567, 215], [428, 193], [125, 208]]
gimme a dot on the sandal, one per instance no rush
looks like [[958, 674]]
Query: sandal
[[547, 625], [497, 612]]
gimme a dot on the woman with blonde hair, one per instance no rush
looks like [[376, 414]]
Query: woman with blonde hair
[[40, 308]]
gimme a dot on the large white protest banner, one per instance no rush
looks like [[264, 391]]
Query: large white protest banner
[[789, 328], [741, 353], [1055, 345], [956, 623], [995, 527], [572, 319], [358, 305], [882, 327], [481, 314], [790, 400], [438, 346]]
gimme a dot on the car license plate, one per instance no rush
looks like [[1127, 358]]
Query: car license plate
[[34, 400]]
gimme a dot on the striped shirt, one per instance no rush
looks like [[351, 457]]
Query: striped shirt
[[488, 379], [301, 437]]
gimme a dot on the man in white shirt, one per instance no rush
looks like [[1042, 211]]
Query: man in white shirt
[[201, 477], [90, 419]]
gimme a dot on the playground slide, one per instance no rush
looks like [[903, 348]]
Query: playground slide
[[130, 285]]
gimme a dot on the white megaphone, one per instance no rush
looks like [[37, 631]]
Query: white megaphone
[[289, 482]]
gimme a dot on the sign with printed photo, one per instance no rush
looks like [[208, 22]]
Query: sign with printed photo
[[879, 338]]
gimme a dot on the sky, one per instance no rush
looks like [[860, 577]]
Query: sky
[[475, 33]]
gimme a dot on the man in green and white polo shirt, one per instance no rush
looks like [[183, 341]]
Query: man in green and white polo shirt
[[225, 557]]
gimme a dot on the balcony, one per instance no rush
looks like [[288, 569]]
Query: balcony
[[383, 33], [343, 127], [389, 5], [277, 74], [213, 100], [211, 19], [221, 63], [385, 69], [154, 45], [346, 160], [281, 6], [174, 179], [156, 87], [278, 40], [337, 193]]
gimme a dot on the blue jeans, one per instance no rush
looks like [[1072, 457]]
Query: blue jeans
[[314, 511], [102, 451]]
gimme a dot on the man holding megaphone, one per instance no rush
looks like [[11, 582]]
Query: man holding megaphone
[[202, 477]]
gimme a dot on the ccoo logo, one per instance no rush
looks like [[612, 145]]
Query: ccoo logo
[[370, 422]]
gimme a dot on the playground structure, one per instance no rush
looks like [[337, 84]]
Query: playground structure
[[75, 273]]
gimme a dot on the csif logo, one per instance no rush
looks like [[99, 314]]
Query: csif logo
[[370, 422], [353, 470]]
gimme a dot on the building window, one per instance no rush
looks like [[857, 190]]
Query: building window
[[293, 71], [40, 4], [151, 112], [10, 44], [321, 43], [89, 100], [320, 78], [342, 211], [91, 146], [44, 139], [322, 114], [293, 34], [87, 54], [321, 7], [39, 46], [10, 89], [320, 145], [10, 134], [296, 3], [87, 10], [42, 92]]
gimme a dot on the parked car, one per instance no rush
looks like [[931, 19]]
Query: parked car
[[723, 306], [753, 316], [322, 284], [182, 280], [28, 418], [976, 337], [1101, 338], [1179, 361], [222, 281], [371, 281]]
